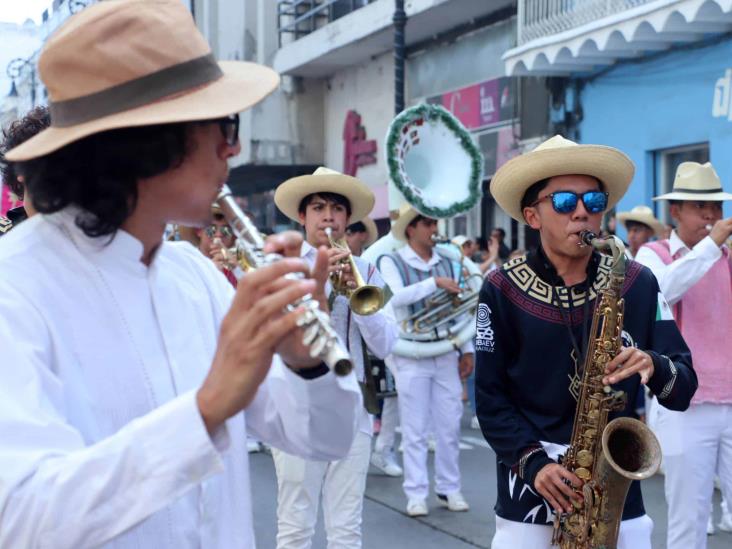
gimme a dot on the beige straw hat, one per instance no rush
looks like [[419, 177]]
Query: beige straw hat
[[324, 180], [406, 215], [560, 156], [696, 181], [125, 63], [642, 214]]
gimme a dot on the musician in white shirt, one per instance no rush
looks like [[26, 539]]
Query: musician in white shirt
[[131, 371]]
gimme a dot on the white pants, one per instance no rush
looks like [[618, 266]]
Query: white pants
[[696, 444], [389, 422], [430, 400], [634, 534], [342, 482]]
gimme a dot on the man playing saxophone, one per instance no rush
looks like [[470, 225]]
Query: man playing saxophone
[[533, 327], [325, 203]]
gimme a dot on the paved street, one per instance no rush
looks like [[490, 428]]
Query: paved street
[[386, 526]]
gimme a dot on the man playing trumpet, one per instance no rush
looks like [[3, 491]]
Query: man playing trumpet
[[325, 203]]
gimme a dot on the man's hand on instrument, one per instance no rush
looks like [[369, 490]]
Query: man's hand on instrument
[[448, 284], [286, 243], [721, 231], [553, 484], [251, 331], [339, 268], [465, 366], [629, 361]]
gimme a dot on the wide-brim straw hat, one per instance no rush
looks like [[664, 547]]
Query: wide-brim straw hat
[[406, 215], [642, 214], [560, 156], [126, 63], [324, 180], [696, 181]]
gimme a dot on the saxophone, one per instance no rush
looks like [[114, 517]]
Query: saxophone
[[605, 456]]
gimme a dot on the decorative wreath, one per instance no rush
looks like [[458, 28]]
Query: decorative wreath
[[433, 161]]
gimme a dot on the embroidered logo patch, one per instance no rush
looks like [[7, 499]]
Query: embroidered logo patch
[[483, 330], [663, 311]]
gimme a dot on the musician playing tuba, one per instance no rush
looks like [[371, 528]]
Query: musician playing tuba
[[429, 388], [325, 203], [534, 328]]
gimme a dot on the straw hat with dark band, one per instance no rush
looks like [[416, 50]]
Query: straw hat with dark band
[[560, 156], [698, 182], [125, 63], [324, 180], [644, 215]]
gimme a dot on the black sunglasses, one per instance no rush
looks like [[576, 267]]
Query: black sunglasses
[[229, 126], [565, 202]]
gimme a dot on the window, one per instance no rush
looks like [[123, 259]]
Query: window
[[665, 163]]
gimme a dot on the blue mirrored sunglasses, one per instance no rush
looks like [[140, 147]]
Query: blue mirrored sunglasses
[[565, 202]]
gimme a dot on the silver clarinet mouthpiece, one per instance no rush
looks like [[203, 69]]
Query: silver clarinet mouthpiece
[[318, 334]]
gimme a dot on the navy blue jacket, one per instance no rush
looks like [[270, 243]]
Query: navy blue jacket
[[527, 371]]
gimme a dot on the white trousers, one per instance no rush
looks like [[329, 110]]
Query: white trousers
[[696, 444], [430, 400], [342, 483], [634, 534], [389, 422]]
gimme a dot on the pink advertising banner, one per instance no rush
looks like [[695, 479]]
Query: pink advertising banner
[[7, 202]]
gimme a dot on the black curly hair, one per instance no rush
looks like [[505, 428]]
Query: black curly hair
[[20, 131], [99, 173]]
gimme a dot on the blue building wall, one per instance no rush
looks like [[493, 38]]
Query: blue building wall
[[660, 103]]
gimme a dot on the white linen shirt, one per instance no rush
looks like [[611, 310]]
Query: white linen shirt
[[403, 296], [378, 330], [675, 279], [101, 439]]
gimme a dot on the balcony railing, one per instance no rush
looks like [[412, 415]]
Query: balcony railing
[[539, 18], [298, 18]]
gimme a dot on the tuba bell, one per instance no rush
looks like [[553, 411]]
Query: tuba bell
[[364, 299], [435, 164]]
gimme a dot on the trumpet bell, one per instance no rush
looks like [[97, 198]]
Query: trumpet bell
[[366, 300]]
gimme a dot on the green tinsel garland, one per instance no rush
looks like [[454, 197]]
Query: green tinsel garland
[[431, 113]]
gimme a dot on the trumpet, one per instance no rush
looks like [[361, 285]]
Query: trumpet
[[318, 334], [364, 299]]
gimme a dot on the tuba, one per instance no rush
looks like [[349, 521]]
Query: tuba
[[606, 456], [364, 299], [318, 334], [437, 167]]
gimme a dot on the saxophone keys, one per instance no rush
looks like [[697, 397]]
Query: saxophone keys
[[584, 458], [311, 332], [583, 473]]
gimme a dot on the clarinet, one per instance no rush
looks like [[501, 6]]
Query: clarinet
[[318, 335]]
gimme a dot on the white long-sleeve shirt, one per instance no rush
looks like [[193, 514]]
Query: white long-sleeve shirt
[[101, 439], [404, 296], [675, 279], [379, 330]]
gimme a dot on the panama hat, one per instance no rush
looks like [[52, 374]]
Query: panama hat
[[642, 214], [324, 180], [460, 239], [371, 230], [406, 215], [126, 63], [696, 181], [560, 156]]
